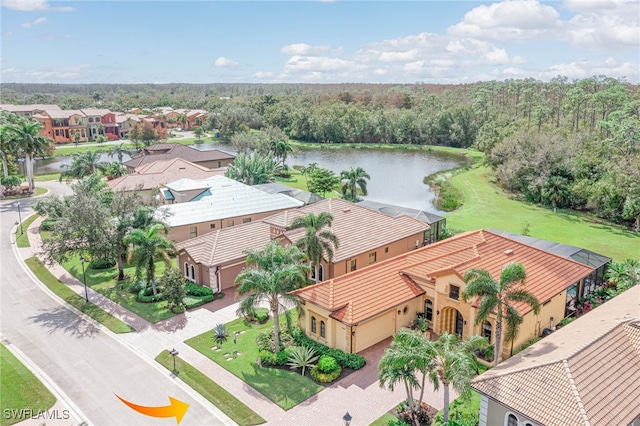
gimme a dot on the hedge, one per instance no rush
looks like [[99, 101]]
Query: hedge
[[102, 263], [197, 290], [319, 376], [191, 302], [345, 360], [143, 297]]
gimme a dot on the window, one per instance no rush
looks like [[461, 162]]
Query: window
[[193, 273], [186, 269], [386, 249], [486, 330], [230, 223], [372, 257], [512, 420], [110, 120], [323, 329], [314, 325], [352, 267], [454, 292], [193, 231], [428, 310], [212, 226], [246, 220], [219, 163], [320, 273]]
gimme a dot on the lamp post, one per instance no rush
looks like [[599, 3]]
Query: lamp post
[[20, 217], [347, 419], [84, 277], [174, 353]]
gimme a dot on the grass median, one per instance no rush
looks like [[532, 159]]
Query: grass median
[[214, 393], [69, 296], [22, 240]]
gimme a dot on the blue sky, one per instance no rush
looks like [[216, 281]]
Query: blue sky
[[46, 41]]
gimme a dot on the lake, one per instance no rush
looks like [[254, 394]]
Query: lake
[[396, 175]]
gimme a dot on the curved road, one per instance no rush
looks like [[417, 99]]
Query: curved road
[[88, 363]]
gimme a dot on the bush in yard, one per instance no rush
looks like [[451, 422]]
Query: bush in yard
[[11, 181], [146, 295], [100, 263], [328, 364], [173, 283], [283, 356], [178, 309], [136, 286], [302, 357], [268, 359], [265, 340], [345, 360], [47, 225], [321, 377], [220, 334], [193, 302], [197, 290]]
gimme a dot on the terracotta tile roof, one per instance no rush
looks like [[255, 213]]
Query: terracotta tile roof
[[577, 375], [95, 111], [28, 108], [169, 151], [378, 287], [157, 173], [63, 113], [349, 226], [227, 244]]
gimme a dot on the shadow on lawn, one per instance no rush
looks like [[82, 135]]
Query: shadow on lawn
[[62, 319]]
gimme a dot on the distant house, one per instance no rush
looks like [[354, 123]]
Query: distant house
[[585, 374], [27, 111], [93, 121], [365, 307], [63, 126], [211, 159], [216, 258]]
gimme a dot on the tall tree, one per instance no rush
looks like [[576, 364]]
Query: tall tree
[[316, 243], [270, 275], [82, 164], [30, 143], [253, 169], [322, 180], [119, 151], [352, 181], [146, 247], [499, 297]]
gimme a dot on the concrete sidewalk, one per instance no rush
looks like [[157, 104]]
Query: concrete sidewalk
[[358, 393]]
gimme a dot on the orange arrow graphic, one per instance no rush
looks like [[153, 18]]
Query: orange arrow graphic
[[177, 409]]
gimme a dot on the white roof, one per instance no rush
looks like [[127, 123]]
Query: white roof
[[228, 198]]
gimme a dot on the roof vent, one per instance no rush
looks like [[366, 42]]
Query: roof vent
[[347, 209], [508, 252]]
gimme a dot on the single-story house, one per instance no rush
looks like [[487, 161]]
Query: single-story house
[[585, 374], [220, 253], [211, 159], [355, 311]]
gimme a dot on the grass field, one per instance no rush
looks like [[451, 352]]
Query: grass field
[[487, 206], [47, 177], [285, 388], [214, 393], [20, 389], [69, 296], [21, 237]]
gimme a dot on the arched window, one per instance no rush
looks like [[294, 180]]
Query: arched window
[[186, 269], [428, 310], [512, 420], [193, 273], [486, 330], [323, 329], [320, 273], [314, 326]]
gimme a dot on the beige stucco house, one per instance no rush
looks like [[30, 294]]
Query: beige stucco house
[[585, 374], [354, 311], [211, 159]]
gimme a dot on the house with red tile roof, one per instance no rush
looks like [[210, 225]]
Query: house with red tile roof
[[354, 311], [585, 374]]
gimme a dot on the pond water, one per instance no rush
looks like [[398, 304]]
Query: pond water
[[396, 175]]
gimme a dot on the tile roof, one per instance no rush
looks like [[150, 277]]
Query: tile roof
[[349, 226], [168, 151], [27, 108], [158, 173], [394, 210], [586, 373], [63, 113], [228, 198], [380, 286], [95, 111]]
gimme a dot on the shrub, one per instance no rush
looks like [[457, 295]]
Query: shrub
[[301, 357], [345, 360], [102, 263], [146, 295], [136, 286], [47, 225], [198, 290], [268, 359], [191, 302], [319, 376], [219, 295], [265, 340], [328, 364], [283, 356], [566, 321], [261, 315], [11, 181], [220, 334], [178, 309]]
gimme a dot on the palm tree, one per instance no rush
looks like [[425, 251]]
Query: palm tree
[[316, 243], [352, 180], [499, 296], [31, 144], [253, 169], [307, 171], [269, 277], [119, 151], [556, 191], [147, 246], [281, 149], [82, 164]]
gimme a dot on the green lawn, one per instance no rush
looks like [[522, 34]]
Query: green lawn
[[214, 393], [102, 280], [20, 389], [22, 240], [285, 388], [487, 206], [384, 420], [47, 177], [299, 182], [68, 295]]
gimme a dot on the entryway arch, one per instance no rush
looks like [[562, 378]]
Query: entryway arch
[[451, 321]]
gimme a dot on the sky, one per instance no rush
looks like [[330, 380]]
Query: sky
[[443, 42]]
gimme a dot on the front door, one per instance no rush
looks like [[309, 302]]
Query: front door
[[459, 323]]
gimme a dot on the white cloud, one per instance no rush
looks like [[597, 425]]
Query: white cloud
[[222, 62], [34, 23], [304, 49], [60, 74], [312, 64], [33, 5], [406, 56], [263, 74], [518, 60], [7, 34], [513, 71]]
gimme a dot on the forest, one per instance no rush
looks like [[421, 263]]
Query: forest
[[566, 144]]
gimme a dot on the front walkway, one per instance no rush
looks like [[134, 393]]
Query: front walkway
[[359, 393]]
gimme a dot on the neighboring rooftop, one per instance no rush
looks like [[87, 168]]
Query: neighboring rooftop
[[169, 151], [374, 289], [585, 374], [27, 108], [95, 111], [393, 210], [228, 198], [278, 188]]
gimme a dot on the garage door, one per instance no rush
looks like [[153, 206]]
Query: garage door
[[375, 330]]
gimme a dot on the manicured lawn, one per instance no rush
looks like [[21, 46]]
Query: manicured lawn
[[44, 178], [285, 388], [64, 292], [384, 420], [487, 206], [102, 280], [214, 393], [22, 240], [299, 182], [20, 389]]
